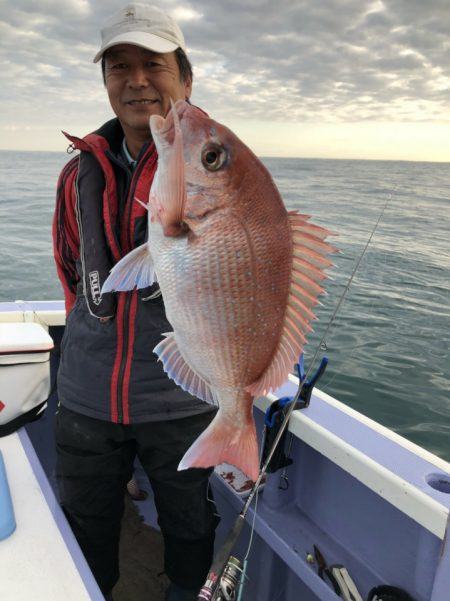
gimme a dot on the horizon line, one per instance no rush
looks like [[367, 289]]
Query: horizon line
[[301, 158]]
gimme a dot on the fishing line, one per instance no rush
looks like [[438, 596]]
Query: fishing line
[[323, 340], [325, 343], [254, 510]]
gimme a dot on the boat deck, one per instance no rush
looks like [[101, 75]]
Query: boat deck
[[141, 559]]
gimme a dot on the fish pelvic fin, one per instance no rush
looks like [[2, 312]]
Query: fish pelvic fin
[[225, 441], [309, 260], [177, 368], [134, 270]]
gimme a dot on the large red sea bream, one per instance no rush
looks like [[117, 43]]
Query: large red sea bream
[[238, 273]]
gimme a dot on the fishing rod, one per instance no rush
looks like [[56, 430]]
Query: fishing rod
[[224, 564]]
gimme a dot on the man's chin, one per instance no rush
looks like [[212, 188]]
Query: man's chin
[[139, 129]]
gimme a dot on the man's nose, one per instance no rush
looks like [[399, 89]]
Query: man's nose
[[138, 77]]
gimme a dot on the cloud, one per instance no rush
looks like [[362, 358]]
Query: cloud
[[334, 61]]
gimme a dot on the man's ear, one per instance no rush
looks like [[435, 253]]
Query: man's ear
[[188, 88]]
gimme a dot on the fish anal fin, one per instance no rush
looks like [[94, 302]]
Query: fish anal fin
[[177, 368], [308, 264], [134, 270]]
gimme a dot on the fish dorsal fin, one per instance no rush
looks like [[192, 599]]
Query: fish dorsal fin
[[309, 260], [180, 372]]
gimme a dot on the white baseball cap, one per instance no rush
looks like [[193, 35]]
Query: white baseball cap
[[142, 25]]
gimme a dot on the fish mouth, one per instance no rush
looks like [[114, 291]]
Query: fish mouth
[[168, 193], [163, 129]]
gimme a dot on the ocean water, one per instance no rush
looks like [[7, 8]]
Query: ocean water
[[389, 343]]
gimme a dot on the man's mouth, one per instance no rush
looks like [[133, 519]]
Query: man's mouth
[[141, 102]]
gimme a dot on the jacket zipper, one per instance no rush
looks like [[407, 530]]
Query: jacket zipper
[[122, 394], [128, 298], [136, 175], [123, 361]]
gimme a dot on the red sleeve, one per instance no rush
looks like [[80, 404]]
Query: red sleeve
[[66, 241]]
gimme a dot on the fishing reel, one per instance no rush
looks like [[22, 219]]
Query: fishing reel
[[227, 587]]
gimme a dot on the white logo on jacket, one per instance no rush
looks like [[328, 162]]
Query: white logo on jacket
[[94, 281]]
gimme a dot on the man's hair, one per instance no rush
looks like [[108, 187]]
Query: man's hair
[[184, 65]]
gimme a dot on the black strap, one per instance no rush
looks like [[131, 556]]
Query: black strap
[[388, 593], [21, 420]]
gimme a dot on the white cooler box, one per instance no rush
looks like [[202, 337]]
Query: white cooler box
[[24, 374]]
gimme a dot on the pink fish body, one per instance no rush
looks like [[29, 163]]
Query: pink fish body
[[238, 273]]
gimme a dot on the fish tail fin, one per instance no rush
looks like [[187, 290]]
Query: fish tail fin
[[225, 442], [135, 269]]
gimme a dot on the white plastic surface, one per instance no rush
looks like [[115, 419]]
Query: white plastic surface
[[35, 563], [22, 388], [24, 338]]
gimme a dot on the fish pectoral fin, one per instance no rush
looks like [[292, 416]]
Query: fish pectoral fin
[[176, 367], [309, 261], [134, 270]]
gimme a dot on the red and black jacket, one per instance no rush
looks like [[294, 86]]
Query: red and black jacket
[[108, 369]]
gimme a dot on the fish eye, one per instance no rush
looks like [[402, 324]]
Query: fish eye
[[213, 157]]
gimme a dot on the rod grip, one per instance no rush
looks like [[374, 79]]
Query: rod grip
[[221, 559]]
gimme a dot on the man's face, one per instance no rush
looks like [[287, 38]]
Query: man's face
[[141, 83]]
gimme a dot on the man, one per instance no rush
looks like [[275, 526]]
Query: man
[[115, 400]]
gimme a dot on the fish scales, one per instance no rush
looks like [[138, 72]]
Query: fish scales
[[232, 344]]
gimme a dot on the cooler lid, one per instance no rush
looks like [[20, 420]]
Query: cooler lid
[[23, 337]]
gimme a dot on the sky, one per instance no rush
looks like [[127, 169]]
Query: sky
[[360, 79]]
